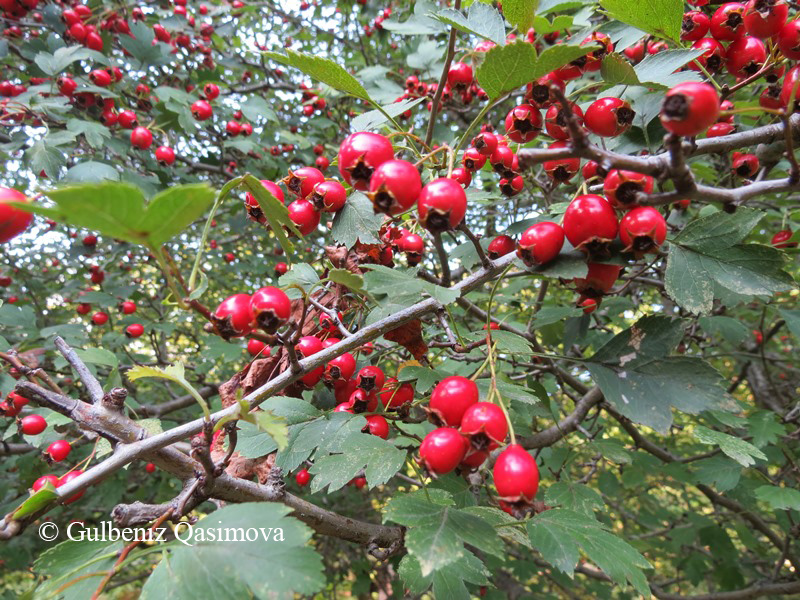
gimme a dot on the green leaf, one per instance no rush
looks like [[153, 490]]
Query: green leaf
[[140, 45], [43, 157], [322, 69], [274, 426], [662, 18], [91, 172], [374, 118], [481, 20], [617, 70], [379, 459], [574, 496], [520, 13], [173, 210], [643, 383], [719, 471], [404, 283], [272, 557], [779, 498], [81, 564], [765, 428], [98, 356], [659, 70], [274, 210], [559, 535], [792, 318], [174, 373], [448, 582], [557, 56], [323, 434], [742, 452], [55, 63], [43, 497], [418, 23], [257, 108], [301, 275], [356, 222], [505, 68], [437, 531], [719, 230], [96, 134], [349, 280]]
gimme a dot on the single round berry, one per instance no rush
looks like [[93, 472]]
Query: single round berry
[[442, 205], [609, 117], [100, 318], [727, 22], [271, 308], [744, 165], [540, 243], [765, 18], [689, 108], [134, 331], [642, 230], [599, 279], [485, 143], [328, 196], [141, 138], [394, 187], [233, 317], [65, 479], [789, 40], [257, 348], [712, 57], [459, 75], [305, 217], [302, 477], [523, 123], [394, 394], [340, 368], [555, 120], [695, 26], [561, 170], [450, 399], [590, 224], [13, 221], [59, 450], [32, 425], [781, 239], [377, 426], [516, 475], [301, 181], [473, 160], [360, 154], [201, 110], [128, 307], [442, 450], [622, 187], [44, 480], [745, 56], [211, 91], [370, 378], [485, 426], [500, 246]]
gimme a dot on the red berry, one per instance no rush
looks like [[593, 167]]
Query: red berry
[[281, 268], [201, 110], [442, 450], [141, 138], [32, 425], [370, 378], [451, 398], [302, 477], [13, 221], [251, 203], [621, 187], [485, 425], [128, 307], [540, 244], [442, 205], [127, 119], [555, 120], [609, 117], [523, 123], [765, 18], [100, 77], [322, 162], [485, 143], [511, 187], [340, 368], [516, 475], [781, 239], [689, 108], [462, 176], [394, 187], [590, 224], [150, 468], [271, 308], [589, 305], [561, 170], [789, 40], [43, 480], [233, 317], [394, 394], [745, 56], [328, 196], [308, 345], [695, 26], [134, 331], [301, 181], [642, 230], [539, 92], [360, 482], [500, 246], [599, 279], [100, 318], [377, 425], [65, 479], [459, 75], [257, 348], [720, 129], [473, 159], [59, 450], [360, 154], [304, 216], [712, 57], [165, 155], [727, 23], [211, 91]]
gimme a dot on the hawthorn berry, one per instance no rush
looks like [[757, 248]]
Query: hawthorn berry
[[511, 187], [450, 399], [201, 110], [128, 307], [59, 450], [211, 91], [44, 480], [141, 138], [555, 120], [301, 181], [622, 187], [165, 155], [500, 246], [540, 243], [485, 143], [473, 160], [233, 128], [308, 345], [377, 426], [727, 22], [745, 56], [539, 92], [362, 401], [695, 26], [233, 317], [589, 305], [254, 211], [32, 425], [561, 170], [134, 331], [100, 77], [305, 217], [590, 224], [302, 477], [394, 187], [65, 479], [281, 268], [720, 129], [442, 205], [642, 230], [370, 378], [765, 18], [462, 176], [788, 40], [712, 57], [599, 279], [442, 450], [257, 348], [609, 117], [744, 165], [100, 318], [781, 239], [150, 468], [459, 75], [523, 123], [360, 154], [340, 368], [484, 424], [516, 475], [395, 394], [689, 108], [13, 221]]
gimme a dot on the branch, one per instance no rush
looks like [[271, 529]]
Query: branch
[[93, 387], [437, 97], [570, 423], [754, 591]]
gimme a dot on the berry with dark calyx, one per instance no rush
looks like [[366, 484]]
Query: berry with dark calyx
[[555, 120], [344, 407], [539, 92], [695, 26], [450, 399], [745, 56], [301, 181], [13, 221], [459, 76], [362, 401], [134, 331], [473, 160], [462, 176], [765, 18], [590, 224], [360, 154], [127, 119], [745, 165], [328, 324], [65, 479], [609, 117], [395, 394], [281, 268], [257, 348], [141, 138], [233, 128], [59, 450], [394, 187], [622, 187], [599, 280], [308, 345], [211, 91], [304, 216], [540, 243], [523, 123], [727, 22], [770, 98], [233, 317], [340, 368], [485, 143], [370, 378], [712, 57], [781, 239], [561, 170], [328, 196], [322, 162], [377, 426], [32, 425], [254, 211], [516, 475], [270, 308], [594, 59], [642, 230], [44, 480], [302, 477], [442, 205], [500, 246], [442, 450], [789, 40], [165, 155], [100, 318], [485, 426], [690, 108], [511, 187], [201, 110], [502, 159]]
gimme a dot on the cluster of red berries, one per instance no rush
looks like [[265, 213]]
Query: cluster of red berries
[[56, 482], [239, 315], [377, 22]]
